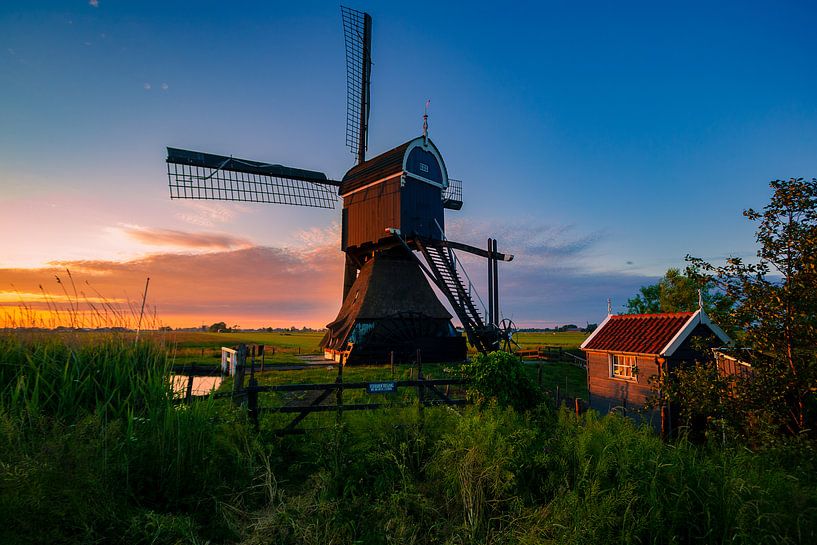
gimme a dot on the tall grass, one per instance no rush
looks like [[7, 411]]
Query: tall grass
[[61, 375], [493, 475], [96, 449]]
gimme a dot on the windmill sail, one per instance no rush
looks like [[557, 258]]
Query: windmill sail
[[357, 32], [196, 175]]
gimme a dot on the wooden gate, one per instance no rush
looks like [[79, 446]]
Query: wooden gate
[[429, 392]]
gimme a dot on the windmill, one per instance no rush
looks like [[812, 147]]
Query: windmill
[[392, 231]]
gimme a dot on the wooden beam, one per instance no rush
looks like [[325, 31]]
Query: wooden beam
[[474, 250]]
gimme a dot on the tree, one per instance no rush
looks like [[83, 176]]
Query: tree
[[775, 306], [677, 292], [218, 326], [647, 300]]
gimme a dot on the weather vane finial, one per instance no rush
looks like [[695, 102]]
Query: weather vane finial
[[609, 306], [425, 122]]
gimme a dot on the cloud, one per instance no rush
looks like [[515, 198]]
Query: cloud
[[197, 241], [553, 278], [317, 237], [165, 87], [93, 3], [250, 286], [208, 214], [530, 241], [146, 86]]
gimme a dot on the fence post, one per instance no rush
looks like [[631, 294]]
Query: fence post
[[539, 374], [391, 359], [420, 385], [189, 395], [339, 391], [252, 402], [252, 364], [558, 396], [238, 374]]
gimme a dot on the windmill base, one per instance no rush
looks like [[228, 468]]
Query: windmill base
[[391, 308]]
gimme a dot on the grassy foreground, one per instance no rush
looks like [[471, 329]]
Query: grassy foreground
[[93, 451]]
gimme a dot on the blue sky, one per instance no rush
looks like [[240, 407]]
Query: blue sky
[[600, 142]]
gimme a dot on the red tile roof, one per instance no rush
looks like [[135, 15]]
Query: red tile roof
[[637, 333]]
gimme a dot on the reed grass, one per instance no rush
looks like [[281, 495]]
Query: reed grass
[[97, 449]]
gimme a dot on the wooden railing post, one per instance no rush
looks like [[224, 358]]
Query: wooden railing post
[[339, 391], [240, 363]]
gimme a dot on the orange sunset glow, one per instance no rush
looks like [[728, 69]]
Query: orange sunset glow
[[214, 278]]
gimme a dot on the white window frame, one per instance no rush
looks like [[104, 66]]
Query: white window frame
[[623, 367]]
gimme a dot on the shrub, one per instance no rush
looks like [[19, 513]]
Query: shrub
[[501, 377]]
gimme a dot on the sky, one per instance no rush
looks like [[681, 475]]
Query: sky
[[599, 142]]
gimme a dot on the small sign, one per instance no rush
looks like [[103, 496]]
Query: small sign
[[381, 387]]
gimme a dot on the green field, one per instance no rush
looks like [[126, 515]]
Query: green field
[[283, 349], [204, 347], [567, 340]]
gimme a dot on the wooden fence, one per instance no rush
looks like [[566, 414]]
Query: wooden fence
[[429, 392]]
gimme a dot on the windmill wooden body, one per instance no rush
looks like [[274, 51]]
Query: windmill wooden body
[[393, 210]]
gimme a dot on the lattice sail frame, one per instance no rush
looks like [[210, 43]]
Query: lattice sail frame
[[357, 38], [193, 175]]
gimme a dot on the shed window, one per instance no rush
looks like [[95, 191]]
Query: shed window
[[622, 366]]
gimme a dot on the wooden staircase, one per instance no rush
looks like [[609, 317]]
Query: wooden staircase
[[448, 280]]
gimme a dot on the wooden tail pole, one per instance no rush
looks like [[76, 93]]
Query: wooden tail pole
[[490, 282], [495, 277]]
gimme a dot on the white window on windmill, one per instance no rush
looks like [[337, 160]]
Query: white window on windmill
[[423, 167], [622, 366]]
